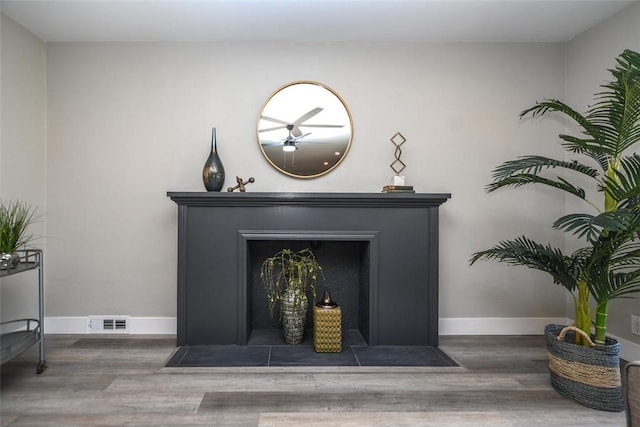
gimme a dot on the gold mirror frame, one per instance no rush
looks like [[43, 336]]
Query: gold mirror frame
[[305, 129]]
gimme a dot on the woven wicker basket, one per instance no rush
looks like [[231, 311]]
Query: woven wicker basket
[[587, 375]]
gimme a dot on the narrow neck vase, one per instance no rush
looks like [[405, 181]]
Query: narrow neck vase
[[213, 171]]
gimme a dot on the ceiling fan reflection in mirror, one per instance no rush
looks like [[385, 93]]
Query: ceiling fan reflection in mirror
[[295, 134], [289, 143]]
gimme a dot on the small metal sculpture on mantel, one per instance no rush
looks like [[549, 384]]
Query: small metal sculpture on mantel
[[398, 166], [241, 184]]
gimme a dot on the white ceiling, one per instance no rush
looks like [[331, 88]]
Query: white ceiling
[[310, 20]]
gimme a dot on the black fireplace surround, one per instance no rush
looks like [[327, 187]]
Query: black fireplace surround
[[396, 235]]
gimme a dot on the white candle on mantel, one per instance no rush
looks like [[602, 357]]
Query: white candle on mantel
[[398, 180]]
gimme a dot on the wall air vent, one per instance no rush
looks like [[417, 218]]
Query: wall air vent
[[108, 324]]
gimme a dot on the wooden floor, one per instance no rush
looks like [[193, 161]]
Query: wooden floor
[[502, 381]]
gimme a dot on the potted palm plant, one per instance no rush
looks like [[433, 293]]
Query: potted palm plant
[[607, 266], [15, 218], [289, 279]]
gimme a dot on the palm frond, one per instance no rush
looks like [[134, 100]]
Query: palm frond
[[612, 122], [613, 266], [523, 179], [536, 164], [624, 186], [527, 170], [526, 252], [617, 109], [614, 286], [555, 105], [624, 262], [591, 227], [588, 147]]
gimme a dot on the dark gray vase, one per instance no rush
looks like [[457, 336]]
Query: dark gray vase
[[213, 171]]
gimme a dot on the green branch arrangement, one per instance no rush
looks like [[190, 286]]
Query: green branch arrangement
[[298, 271]]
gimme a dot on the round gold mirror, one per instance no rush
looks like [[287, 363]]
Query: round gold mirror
[[305, 129]]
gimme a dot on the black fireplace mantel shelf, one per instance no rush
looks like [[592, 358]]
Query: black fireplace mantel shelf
[[308, 199], [399, 230]]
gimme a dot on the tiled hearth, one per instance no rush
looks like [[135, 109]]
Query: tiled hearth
[[267, 349]]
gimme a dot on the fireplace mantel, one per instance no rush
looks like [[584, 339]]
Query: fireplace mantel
[[400, 229], [309, 199]]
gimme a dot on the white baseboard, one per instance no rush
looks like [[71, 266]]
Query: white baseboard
[[137, 325], [153, 325], [497, 325], [448, 326]]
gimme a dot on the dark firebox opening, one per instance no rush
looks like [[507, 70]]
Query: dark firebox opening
[[346, 266]]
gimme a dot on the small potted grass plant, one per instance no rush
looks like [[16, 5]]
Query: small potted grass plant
[[15, 218]]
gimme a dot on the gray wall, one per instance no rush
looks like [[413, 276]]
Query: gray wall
[[22, 146], [127, 122]]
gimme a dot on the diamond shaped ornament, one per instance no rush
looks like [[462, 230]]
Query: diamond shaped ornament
[[398, 165]]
